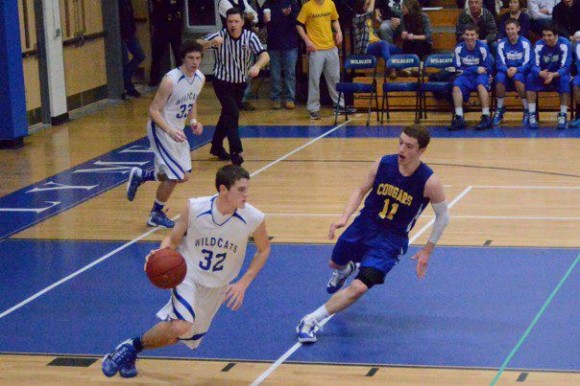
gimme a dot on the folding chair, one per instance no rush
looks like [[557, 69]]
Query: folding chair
[[401, 62], [359, 62], [434, 61]]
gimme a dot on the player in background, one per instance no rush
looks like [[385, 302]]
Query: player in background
[[212, 235], [513, 63], [550, 71], [474, 64], [174, 106], [399, 187]]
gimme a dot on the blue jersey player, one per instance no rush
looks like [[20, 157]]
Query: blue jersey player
[[513, 62], [474, 63], [576, 123], [550, 71], [399, 187]]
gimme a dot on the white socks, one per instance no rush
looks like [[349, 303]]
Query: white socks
[[320, 314], [459, 111]]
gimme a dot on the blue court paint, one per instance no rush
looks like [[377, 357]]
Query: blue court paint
[[470, 310], [35, 203]]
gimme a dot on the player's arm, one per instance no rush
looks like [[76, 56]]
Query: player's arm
[[434, 191], [177, 233], [156, 107], [235, 292], [195, 125], [355, 199]]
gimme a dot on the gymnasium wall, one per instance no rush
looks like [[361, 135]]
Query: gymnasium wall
[[83, 54]]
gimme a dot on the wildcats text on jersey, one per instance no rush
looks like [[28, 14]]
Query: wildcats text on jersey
[[215, 241], [395, 193]]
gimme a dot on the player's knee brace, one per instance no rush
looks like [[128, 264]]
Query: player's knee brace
[[370, 276]]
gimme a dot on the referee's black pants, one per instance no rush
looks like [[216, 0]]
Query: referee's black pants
[[230, 96]]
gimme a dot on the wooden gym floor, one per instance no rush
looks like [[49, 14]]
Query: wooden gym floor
[[509, 188]]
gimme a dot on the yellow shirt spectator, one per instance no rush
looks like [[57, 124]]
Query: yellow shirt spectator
[[317, 19]]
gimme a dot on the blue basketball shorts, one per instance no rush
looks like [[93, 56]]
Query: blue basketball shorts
[[468, 83], [371, 249], [577, 81], [509, 83], [560, 85]]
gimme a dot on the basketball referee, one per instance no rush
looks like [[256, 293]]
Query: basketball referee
[[233, 47]]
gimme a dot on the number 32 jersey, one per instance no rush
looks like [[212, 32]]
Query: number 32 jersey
[[214, 246], [396, 201], [183, 97]]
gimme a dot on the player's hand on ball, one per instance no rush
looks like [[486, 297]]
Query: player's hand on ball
[[147, 258]]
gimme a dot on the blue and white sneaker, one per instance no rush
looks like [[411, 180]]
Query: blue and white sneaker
[[307, 329], [339, 277], [562, 118], [498, 116], [121, 360], [135, 179], [526, 118], [574, 124], [532, 121], [160, 219]]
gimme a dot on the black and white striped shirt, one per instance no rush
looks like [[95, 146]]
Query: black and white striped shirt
[[234, 57]]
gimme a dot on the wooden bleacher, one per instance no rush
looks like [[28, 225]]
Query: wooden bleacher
[[443, 22]]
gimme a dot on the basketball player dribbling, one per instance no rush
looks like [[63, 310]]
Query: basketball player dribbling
[[212, 235]]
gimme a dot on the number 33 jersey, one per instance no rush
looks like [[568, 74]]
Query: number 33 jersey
[[214, 246], [183, 97]]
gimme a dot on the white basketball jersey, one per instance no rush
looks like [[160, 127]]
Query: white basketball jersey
[[184, 95], [215, 246]]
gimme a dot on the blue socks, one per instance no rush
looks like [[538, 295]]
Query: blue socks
[[148, 175]]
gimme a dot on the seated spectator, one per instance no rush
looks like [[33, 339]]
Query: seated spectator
[[516, 12], [513, 62], [481, 18], [490, 5], [417, 32], [566, 16], [541, 14], [575, 124], [390, 13], [473, 62], [550, 72], [366, 40]]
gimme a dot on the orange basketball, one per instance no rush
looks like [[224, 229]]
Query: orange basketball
[[166, 268]]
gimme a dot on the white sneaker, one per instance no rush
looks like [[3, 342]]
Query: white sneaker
[[307, 329]]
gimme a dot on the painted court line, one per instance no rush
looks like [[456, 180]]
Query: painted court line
[[122, 247], [536, 318], [295, 348]]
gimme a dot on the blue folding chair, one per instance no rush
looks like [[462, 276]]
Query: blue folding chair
[[434, 61], [401, 62], [359, 62]]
